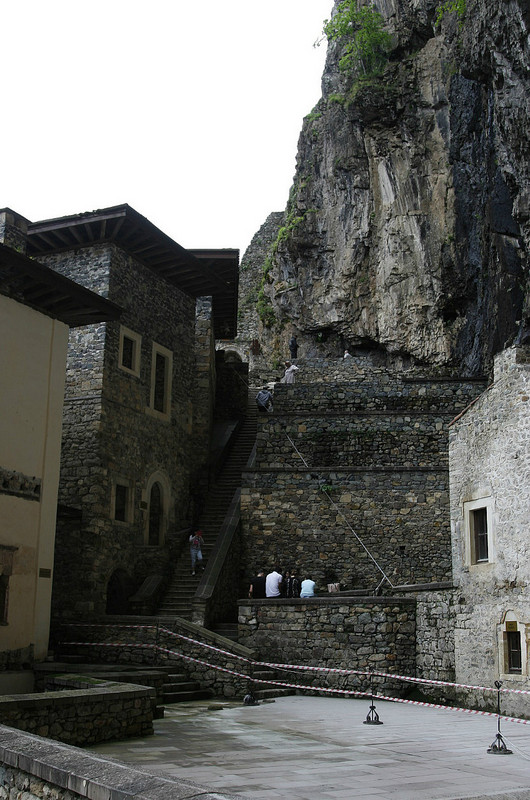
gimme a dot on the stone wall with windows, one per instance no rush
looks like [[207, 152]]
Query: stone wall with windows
[[490, 481], [132, 414]]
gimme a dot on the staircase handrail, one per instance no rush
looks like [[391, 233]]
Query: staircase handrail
[[211, 583]]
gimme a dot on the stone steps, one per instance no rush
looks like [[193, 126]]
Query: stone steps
[[178, 598]]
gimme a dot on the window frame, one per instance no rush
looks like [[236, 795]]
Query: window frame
[[160, 350], [127, 333], [165, 488], [127, 484], [471, 546], [511, 625]]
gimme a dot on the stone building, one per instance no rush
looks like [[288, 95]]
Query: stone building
[[490, 476], [37, 309], [139, 400]]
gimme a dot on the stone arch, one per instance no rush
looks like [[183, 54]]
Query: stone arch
[[157, 498], [233, 351], [119, 589]]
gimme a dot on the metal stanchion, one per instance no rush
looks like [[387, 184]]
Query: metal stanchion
[[250, 699], [498, 746], [372, 717]]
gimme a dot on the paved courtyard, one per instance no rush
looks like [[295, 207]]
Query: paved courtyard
[[317, 748]]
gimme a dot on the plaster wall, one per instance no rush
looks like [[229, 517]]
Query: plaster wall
[[31, 403], [490, 467]]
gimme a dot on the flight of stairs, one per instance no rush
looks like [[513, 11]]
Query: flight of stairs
[[178, 598], [178, 688]]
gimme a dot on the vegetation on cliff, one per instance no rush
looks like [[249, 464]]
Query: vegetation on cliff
[[360, 31]]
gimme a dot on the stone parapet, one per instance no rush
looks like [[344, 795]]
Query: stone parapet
[[34, 768], [347, 390], [358, 633], [100, 711]]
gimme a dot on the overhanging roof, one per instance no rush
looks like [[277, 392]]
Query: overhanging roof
[[45, 290], [196, 272]]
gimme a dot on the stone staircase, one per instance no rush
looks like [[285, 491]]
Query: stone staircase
[[178, 599], [178, 688]]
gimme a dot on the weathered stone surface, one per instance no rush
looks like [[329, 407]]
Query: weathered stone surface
[[490, 466], [408, 225]]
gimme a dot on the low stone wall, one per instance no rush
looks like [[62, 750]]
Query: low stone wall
[[435, 640], [98, 711], [33, 768], [344, 388], [156, 641], [358, 633]]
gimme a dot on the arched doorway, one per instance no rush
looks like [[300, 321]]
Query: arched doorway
[[157, 494], [119, 589]]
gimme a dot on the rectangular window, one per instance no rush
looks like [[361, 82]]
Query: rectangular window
[[130, 348], [121, 500], [127, 354], [479, 524], [161, 380], [479, 538], [160, 383], [513, 644]]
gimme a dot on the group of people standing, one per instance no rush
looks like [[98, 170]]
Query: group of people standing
[[278, 584]]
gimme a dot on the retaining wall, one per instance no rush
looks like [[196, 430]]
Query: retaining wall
[[33, 768], [98, 711], [358, 633]]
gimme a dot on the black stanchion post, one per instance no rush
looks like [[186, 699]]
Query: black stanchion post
[[498, 746], [372, 717]]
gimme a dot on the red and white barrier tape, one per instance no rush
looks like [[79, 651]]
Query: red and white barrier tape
[[321, 689], [302, 668]]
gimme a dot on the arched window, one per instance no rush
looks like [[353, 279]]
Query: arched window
[[156, 497], [156, 514]]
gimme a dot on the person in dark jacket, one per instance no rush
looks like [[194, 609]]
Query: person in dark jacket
[[256, 590], [264, 400]]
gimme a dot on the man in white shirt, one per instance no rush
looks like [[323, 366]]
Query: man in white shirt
[[273, 582]]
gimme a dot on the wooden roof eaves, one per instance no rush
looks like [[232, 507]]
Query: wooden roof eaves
[[55, 295]]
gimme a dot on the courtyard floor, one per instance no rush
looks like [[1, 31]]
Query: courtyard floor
[[317, 748]]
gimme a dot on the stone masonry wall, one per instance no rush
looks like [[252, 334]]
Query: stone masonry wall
[[350, 466], [83, 716], [490, 464], [400, 516], [339, 632], [109, 433], [372, 440], [33, 768]]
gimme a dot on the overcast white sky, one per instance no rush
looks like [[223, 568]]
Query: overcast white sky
[[188, 110]]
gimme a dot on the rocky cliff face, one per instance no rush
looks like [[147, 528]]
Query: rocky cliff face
[[407, 232]]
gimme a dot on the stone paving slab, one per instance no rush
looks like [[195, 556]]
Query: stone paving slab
[[305, 748]]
